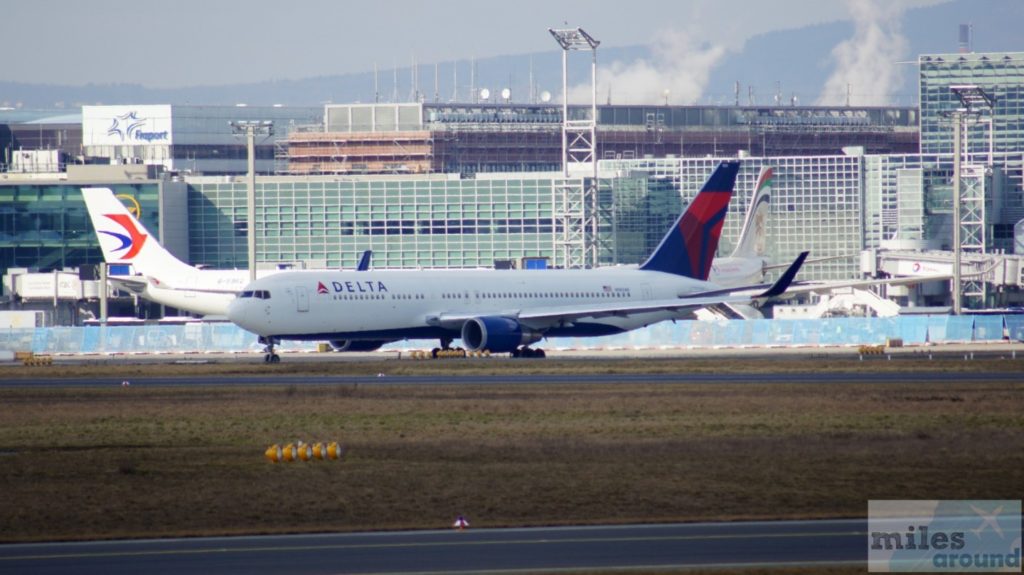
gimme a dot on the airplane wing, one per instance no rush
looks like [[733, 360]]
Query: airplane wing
[[364, 262], [546, 317]]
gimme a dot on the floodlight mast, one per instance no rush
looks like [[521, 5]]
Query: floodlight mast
[[250, 128], [973, 101], [576, 39], [579, 145]]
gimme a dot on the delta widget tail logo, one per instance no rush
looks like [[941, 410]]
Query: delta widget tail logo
[[321, 288], [132, 242], [700, 228]]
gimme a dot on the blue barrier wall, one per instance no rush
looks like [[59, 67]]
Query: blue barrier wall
[[224, 337]]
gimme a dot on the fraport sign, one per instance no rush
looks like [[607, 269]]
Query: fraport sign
[[130, 126], [126, 125]]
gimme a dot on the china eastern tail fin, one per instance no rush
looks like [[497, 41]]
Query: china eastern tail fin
[[753, 240], [124, 240], [689, 246]]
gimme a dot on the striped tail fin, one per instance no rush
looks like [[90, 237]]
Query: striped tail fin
[[753, 240], [689, 246]]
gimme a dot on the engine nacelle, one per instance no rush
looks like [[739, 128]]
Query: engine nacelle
[[356, 344], [497, 334]]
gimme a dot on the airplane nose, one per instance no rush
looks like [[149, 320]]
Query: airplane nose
[[237, 313]]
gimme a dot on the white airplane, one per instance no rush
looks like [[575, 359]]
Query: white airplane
[[506, 310]]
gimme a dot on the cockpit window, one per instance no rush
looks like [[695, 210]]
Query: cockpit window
[[263, 294], [258, 294], [246, 293]]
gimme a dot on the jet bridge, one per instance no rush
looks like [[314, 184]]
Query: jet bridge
[[998, 277]]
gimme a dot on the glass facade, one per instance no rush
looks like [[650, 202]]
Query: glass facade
[[642, 209], [1000, 75], [47, 227], [407, 223], [412, 222], [910, 197]]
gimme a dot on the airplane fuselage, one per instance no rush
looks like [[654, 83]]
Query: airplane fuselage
[[737, 271], [202, 292], [397, 304]]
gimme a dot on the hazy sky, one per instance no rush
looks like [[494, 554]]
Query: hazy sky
[[203, 42]]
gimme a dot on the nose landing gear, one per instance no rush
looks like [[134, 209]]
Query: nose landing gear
[[268, 350]]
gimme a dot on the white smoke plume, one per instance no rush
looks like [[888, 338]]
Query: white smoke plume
[[867, 64], [679, 65]]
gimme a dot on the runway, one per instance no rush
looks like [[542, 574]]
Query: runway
[[644, 547]]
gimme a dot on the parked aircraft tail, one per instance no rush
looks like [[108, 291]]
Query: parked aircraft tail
[[753, 240], [124, 240], [689, 246]]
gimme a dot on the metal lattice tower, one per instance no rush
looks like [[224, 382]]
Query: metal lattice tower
[[973, 237], [968, 194], [576, 197]]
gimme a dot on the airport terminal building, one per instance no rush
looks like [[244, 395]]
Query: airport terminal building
[[472, 185]]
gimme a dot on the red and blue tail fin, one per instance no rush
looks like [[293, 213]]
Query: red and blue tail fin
[[689, 247]]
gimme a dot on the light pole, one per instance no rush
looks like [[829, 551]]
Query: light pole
[[576, 39], [250, 128], [973, 100], [579, 146]]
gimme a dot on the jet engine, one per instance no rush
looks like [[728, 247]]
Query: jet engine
[[497, 334]]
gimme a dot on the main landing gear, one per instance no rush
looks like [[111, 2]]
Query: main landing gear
[[525, 351], [446, 345], [270, 356]]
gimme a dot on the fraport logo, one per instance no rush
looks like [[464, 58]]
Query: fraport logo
[[129, 127], [131, 243]]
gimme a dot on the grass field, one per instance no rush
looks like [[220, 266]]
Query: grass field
[[160, 461]]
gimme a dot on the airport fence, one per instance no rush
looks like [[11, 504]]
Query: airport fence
[[228, 338]]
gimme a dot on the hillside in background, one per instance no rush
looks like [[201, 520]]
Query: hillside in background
[[793, 63]]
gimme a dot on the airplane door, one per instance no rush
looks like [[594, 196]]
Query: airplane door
[[645, 292], [302, 298]]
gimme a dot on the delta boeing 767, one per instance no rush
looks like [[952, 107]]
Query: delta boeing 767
[[506, 310]]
